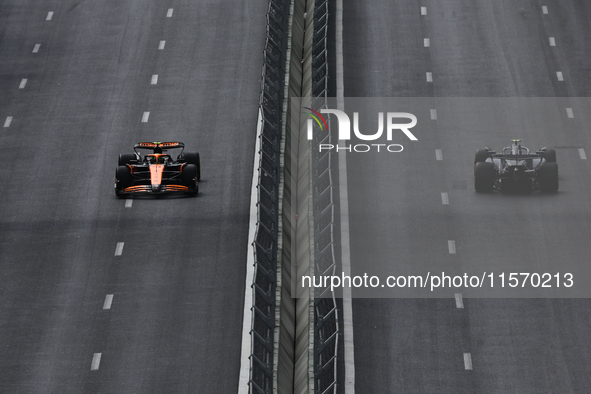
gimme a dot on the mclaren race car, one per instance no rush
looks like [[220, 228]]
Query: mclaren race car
[[515, 169], [158, 172]]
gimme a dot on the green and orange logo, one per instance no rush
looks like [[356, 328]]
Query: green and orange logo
[[317, 117]]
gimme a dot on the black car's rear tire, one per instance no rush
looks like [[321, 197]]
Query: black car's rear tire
[[126, 158], [481, 155], [549, 155], [193, 158], [548, 177], [484, 177], [189, 178], [123, 178]]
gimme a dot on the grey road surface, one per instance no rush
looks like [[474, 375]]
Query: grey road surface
[[474, 49], [81, 82]]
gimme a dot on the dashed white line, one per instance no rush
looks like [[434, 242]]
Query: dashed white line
[[433, 114], [544, 10], [459, 301], [169, 13], [423, 10], [36, 48], [145, 117], [154, 79], [569, 113], [444, 198], [468, 361], [8, 121], [552, 42], [426, 42], [128, 202], [119, 249], [161, 45], [451, 246], [582, 154], [559, 76], [438, 154], [429, 77], [23, 83], [49, 16], [108, 301], [96, 361]]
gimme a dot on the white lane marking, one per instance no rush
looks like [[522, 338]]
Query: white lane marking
[[559, 76], [429, 77], [169, 13], [145, 117], [8, 121], [552, 42], [128, 202], [108, 301], [451, 246], [247, 313], [49, 16], [161, 45], [348, 342], [544, 10], [426, 42], [569, 113], [438, 154], [119, 249], [423, 10], [444, 198], [154, 80], [96, 361], [459, 301], [23, 83], [346, 266], [433, 114], [36, 48], [468, 361], [582, 154]]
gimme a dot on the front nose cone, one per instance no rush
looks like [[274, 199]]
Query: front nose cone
[[155, 188]]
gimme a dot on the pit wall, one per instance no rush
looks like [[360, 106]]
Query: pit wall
[[295, 355]]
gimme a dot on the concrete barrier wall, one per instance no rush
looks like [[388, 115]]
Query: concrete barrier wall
[[296, 329]]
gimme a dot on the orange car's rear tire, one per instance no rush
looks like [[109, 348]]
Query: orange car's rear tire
[[193, 158], [126, 158]]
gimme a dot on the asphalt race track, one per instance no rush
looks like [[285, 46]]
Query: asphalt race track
[[408, 208], [100, 294]]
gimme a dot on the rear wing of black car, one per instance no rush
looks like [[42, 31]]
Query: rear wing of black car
[[508, 156]]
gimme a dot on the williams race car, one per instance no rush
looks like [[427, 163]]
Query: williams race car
[[158, 172], [515, 169]]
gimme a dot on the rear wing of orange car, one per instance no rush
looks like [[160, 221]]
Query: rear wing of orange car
[[159, 147]]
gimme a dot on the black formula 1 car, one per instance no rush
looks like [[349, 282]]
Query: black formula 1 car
[[158, 172], [515, 169]]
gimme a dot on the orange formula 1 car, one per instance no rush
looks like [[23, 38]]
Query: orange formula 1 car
[[158, 172]]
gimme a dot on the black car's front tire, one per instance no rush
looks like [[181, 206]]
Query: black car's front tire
[[484, 177], [481, 155], [549, 155]]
